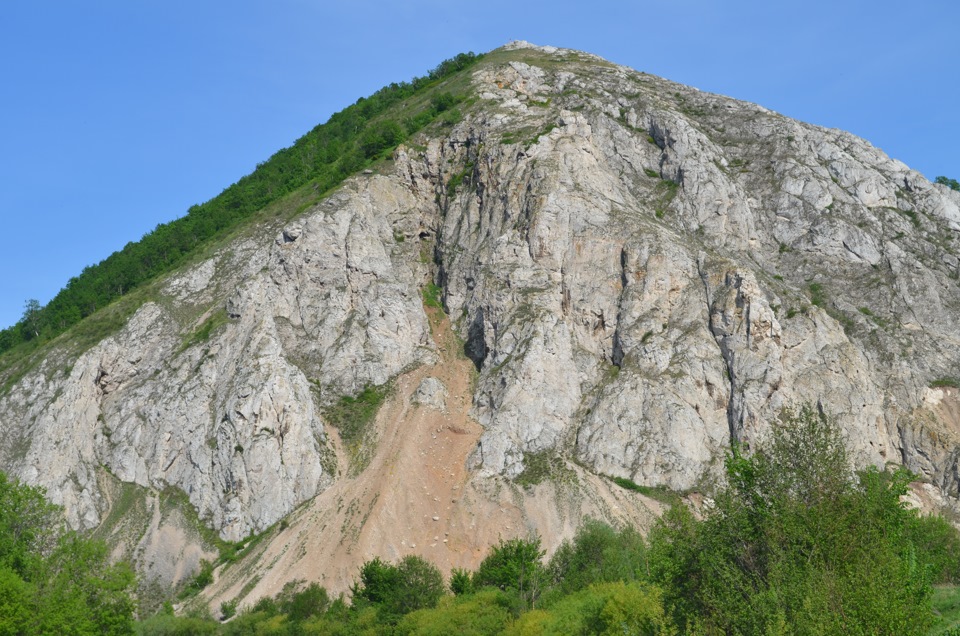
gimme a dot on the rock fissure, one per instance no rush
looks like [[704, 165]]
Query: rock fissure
[[630, 280]]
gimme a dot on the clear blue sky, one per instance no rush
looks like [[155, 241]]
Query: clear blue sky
[[116, 115]]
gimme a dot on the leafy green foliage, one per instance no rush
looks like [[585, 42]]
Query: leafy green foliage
[[352, 415], [457, 179], [460, 582], [798, 539], [350, 140], [53, 580], [201, 579], [514, 566], [482, 614], [607, 609], [433, 296], [946, 605], [659, 493], [395, 590], [953, 184], [817, 295], [598, 554]]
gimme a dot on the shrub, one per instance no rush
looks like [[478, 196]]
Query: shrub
[[352, 414], [383, 135], [598, 554], [797, 538], [412, 584], [953, 184], [607, 608], [485, 613], [460, 582], [515, 566]]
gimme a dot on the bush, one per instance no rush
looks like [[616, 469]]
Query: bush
[[797, 539], [301, 605], [606, 609], [514, 566], [598, 554], [352, 415], [482, 614], [203, 578], [412, 584], [460, 582], [384, 135], [953, 184]]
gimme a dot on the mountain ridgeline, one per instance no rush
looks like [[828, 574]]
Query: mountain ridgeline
[[530, 289], [323, 158]]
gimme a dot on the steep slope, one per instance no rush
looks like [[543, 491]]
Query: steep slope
[[415, 495], [640, 273]]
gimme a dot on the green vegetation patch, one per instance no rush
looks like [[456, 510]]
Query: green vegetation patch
[[946, 605], [953, 184], [950, 382], [458, 178], [432, 296], [353, 415], [817, 295], [665, 193], [349, 141], [546, 465], [660, 493], [206, 329]]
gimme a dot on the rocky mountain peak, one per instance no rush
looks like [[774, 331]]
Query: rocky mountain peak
[[591, 272]]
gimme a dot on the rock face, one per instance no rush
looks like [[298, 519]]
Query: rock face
[[432, 393], [640, 272]]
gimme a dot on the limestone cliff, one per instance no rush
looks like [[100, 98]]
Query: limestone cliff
[[639, 272]]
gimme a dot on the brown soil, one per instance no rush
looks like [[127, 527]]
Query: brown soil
[[417, 496]]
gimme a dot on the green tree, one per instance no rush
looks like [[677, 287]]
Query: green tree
[[516, 566], [953, 184], [598, 553], [29, 527], [797, 539], [412, 584], [31, 319], [53, 580]]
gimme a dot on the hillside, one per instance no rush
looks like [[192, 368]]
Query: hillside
[[606, 274]]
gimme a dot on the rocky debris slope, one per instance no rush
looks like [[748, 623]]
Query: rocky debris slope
[[641, 273], [417, 496]]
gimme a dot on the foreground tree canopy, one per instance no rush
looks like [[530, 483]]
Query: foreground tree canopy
[[796, 542], [52, 580]]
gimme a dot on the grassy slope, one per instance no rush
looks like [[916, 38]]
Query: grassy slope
[[291, 181], [946, 603]]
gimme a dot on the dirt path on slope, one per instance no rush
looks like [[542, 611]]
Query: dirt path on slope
[[417, 497]]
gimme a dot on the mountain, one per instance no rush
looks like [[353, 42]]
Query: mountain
[[581, 272]]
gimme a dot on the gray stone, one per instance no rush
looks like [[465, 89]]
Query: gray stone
[[640, 271], [431, 393]]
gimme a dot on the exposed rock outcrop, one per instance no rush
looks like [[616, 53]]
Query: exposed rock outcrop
[[639, 272]]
